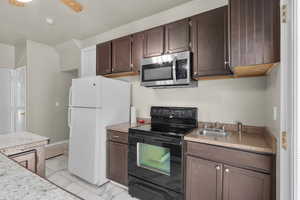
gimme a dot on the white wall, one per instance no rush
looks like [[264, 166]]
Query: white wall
[[20, 54], [46, 86], [69, 54], [7, 56], [273, 125], [182, 11], [227, 100], [273, 101]]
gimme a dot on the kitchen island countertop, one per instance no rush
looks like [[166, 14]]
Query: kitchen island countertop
[[18, 183]]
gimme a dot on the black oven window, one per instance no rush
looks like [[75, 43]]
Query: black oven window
[[157, 72], [155, 158], [181, 69]]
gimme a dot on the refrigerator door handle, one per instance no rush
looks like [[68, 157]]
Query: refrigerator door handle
[[69, 117], [70, 97]]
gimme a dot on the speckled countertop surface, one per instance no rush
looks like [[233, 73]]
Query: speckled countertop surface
[[19, 138], [259, 142], [17, 183], [123, 127]]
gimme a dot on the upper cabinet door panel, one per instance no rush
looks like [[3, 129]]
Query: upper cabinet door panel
[[209, 37], [104, 58], [245, 184], [154, 42], [177, 36], [254, 32], [121, 54], [137, 51]]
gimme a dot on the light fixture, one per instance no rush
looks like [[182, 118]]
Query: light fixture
[[24, 1]]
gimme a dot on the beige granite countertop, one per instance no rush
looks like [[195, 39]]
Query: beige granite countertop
[[19, 138], [260, 142], [123, 127], [18, 183]]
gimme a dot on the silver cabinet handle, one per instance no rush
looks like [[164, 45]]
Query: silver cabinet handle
[[218, 167], [174, 69], [227, 170]]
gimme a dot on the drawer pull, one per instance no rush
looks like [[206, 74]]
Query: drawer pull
[[218, 168], [116, 136], [227, 170]]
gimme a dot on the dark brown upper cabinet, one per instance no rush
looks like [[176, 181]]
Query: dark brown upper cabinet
[[137, 51], [254, 33], [209, 43], [203, 179], [121, 54], [177, 37], [245, 184], [103, 62], [154, 42]]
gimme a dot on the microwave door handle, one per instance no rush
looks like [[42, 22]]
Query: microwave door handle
[[174, 70]]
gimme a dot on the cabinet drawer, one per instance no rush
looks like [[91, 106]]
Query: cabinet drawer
[[230, 156], [117, 136], [27, 160]]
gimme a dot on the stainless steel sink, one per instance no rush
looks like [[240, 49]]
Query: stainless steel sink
[[214, 132]]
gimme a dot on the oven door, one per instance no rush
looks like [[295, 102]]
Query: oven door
[[157, 160]]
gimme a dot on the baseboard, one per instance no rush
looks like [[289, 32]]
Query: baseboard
[[118, 184], [57, 149]]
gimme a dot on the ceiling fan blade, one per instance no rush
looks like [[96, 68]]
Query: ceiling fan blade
[[16, 3], [73, 4]]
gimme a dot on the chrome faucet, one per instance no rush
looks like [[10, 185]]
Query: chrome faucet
[[239, 127]]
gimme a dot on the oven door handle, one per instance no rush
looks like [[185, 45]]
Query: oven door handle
[[174, 69], [166, 141]]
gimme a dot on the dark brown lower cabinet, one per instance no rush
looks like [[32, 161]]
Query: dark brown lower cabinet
[[117, 158], [209, 177], [245, 184], [27, 160], [204, 179]]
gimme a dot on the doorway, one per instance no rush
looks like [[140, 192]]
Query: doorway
[[20, 99]]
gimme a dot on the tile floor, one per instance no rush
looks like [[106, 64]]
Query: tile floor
[[56, 172]]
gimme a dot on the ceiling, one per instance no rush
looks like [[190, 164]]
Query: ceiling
[[18, 24]]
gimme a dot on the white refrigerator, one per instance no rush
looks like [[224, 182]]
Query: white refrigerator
[[95, 103]]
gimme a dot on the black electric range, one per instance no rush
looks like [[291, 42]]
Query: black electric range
[[155, 169]]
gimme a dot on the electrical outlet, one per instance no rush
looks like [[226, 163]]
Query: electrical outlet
[[284, 140]]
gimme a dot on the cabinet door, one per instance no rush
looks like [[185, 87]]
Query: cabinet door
[[177, 36], [137, 51], [88, 62], [154, 42], [245, 184], [27, 160], [203, 179], [121, 54], [118, 162], [254, 32], [104, 58], [209, 38]]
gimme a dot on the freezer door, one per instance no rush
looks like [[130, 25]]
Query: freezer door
[[86, 92], [83, 144]]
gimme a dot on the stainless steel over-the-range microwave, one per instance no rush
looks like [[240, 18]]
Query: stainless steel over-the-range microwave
[[167, 70]]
